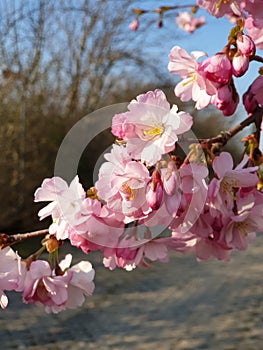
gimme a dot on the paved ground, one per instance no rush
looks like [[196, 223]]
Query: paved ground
[[184, 305]]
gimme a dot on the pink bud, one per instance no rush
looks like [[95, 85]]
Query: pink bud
[[240, 65], [217, 68], [249, 102], [254, 95], [154, 191], [134, 25], [246, 45], [170, 179], [227, 99]]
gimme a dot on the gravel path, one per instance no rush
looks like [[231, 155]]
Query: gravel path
[[183, 305]]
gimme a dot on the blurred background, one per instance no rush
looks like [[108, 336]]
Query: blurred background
[[61, 60]]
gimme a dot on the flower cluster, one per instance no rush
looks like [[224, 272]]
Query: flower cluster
[[147, 202], [211, 80], [151, 195], [249, 10], [57, 289]]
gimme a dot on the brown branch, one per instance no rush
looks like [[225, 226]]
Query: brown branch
[[162, 9], [8, 240], [257, 58], [224, 136]]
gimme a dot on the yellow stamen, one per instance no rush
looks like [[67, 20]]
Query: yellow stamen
[[192, 77], [125, 188], [154, 131]]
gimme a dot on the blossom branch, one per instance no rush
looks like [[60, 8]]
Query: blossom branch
[[163, 9], [8, 240], [160, 11], [257, 58], [224, 136]]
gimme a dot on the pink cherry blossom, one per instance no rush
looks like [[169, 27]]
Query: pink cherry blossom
[[136, 250], [41, 287], [207, 229], [81, 283], [255, 31], [240, 64], [134, 25], [66, 202], [253, 97], [219, 8], [221, 188], [12, 273], [245, 45], [209, 247], [255, 9], [216, 69], [99, 227], [122, 184], [240, 228], [227, 99], [194, 193], [121, 127], [155, 126], [154, 191], [188, 22], [193, 85]]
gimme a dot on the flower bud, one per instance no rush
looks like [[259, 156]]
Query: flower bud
[[246, 45], [170, 179], [154, 191], [249, 102], [227, 99], [253, 97], [134, 25], [217, 68], [52, 244], [240, 64]]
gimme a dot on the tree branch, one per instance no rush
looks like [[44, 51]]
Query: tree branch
[[8, 240]]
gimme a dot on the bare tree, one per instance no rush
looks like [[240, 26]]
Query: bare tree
[[59, 61]]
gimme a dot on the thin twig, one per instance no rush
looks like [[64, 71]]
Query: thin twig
[[8, 240]]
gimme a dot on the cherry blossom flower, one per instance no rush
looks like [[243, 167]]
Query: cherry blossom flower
[[154, 191], [216, 69], [122, 184], [227, 99], [42, 286], [240, 228], [65, 206], [221, 188], [245, 45], [240, 64], [253, 97], [12, 273], [255, 31], [81, 283], [188, 22], [255, 9], [193, 85], [155, 126], [98, 229], [134, 25], [219, 8], [133, 251]]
